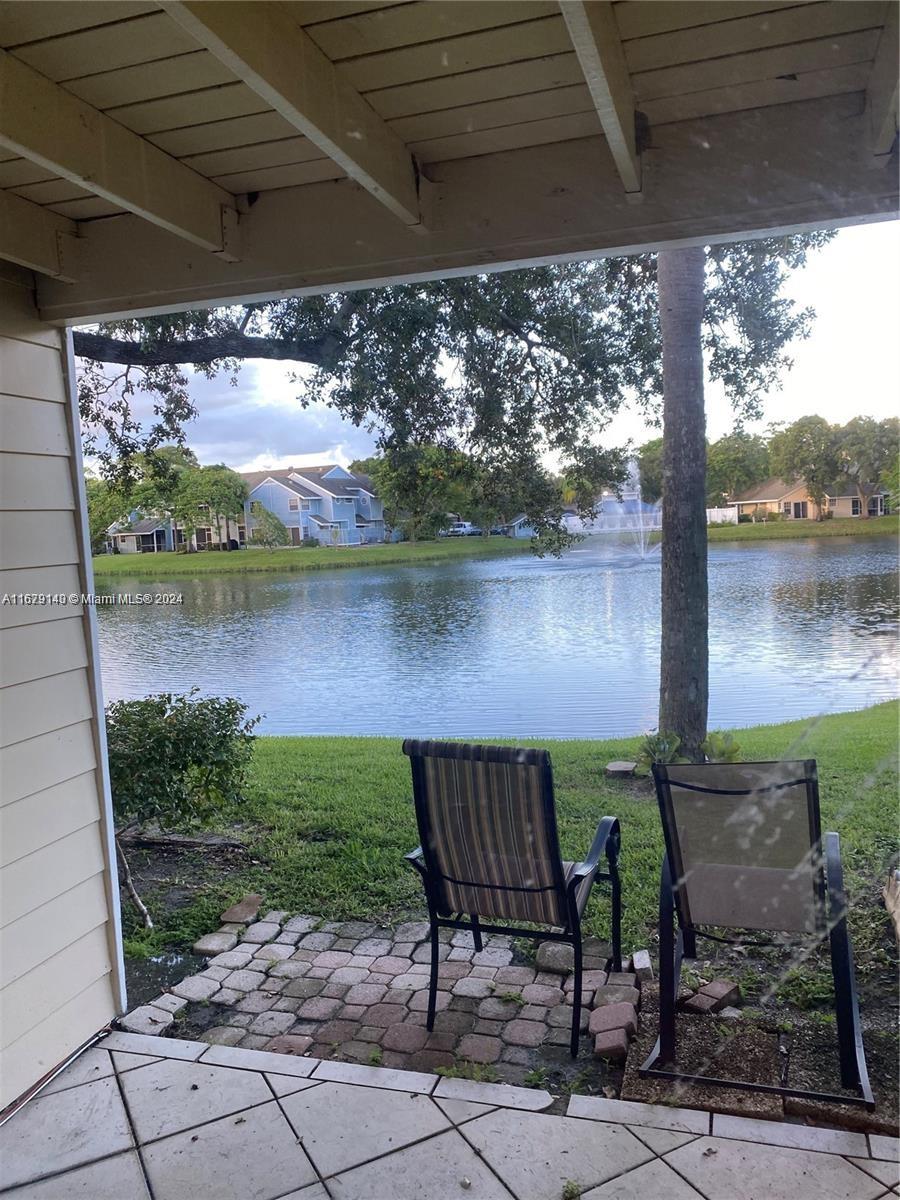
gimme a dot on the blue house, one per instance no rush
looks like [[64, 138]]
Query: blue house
[[326, 504]]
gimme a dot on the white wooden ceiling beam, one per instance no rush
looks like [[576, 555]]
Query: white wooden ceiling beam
[[47, 125], [504, 210], [35, 238], [595, 36], [882, 92], [265, 47]]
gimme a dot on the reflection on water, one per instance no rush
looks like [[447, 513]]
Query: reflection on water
[[517, 647]]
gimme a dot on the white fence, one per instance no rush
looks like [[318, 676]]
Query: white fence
[[722, 516]]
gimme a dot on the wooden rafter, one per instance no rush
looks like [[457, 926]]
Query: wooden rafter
[[595, 36], [34, 237], [882, 92], [47, 125], [265, 47]]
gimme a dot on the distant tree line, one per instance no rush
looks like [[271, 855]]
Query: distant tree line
[[863, 454]]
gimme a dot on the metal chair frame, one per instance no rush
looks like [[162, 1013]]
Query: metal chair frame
[[607, 842], [831, 922]]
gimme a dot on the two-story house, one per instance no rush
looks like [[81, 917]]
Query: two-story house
[[326, 504]]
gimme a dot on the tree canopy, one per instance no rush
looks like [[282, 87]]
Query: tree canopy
[[513, 369]]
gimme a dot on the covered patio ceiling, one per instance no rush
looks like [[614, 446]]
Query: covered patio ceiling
[[156, 156]]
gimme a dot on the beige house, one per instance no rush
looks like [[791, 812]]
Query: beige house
[[792, 501], [162, 156]]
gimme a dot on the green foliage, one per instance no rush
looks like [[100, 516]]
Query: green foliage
[[537, 1077], [513, 998], [206, 495], [661, 746], [479, 1072], [649, 459], [808, 450], [868, 453], [806, 988], [106, 504], [572, 1189], [268, 530], [733, 464], [177, 759], [720, 747]]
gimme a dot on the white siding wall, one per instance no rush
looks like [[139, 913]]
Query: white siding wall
[[59, 956]]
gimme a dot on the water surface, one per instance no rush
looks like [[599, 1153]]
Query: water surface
[[516, 647]]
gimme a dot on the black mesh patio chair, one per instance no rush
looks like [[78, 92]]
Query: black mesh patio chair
[[489, 849], [744, 851]]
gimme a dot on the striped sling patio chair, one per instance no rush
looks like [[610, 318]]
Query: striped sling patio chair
[[744, 851], [489, 849]]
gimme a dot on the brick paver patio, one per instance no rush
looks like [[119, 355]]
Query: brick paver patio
[[147, 1118], [352, 991]]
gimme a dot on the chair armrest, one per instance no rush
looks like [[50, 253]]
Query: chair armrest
[[416, 858], [607, 840]]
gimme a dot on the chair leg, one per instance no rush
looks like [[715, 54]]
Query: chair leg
[[576, 995], [433, 979], [854, 1073], [668, 957], [476, 933], [613, 861]]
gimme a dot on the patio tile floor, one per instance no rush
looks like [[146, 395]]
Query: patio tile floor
[[144, 1118]]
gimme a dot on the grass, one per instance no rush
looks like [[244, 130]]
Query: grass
[[327, 820], [216, 562], [778, 530]]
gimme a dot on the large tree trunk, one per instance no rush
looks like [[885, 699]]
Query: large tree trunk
[[684, 660]]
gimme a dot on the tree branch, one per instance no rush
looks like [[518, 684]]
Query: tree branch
[[100, 348]]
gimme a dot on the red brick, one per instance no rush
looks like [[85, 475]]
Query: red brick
[[480, 1049], [406, 1038], [614, 1016], [700, 1004], [723, 991], [612, 1044], [524, 1033], [288, 1043]]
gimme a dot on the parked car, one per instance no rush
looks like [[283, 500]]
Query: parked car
[[473, 531], [459, 529]]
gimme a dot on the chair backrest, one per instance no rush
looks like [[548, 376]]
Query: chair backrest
[[744, 844], [487, 824]]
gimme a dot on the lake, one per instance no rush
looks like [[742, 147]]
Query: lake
[[516, 647]]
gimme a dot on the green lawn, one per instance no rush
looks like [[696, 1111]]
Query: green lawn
[[328, 819], [315, 558], [772, 530]]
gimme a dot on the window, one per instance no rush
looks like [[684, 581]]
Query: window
[[874, 508], [832, 501], [294, 504], [854, 506], [786, 508], [203, 508], [305, 505]]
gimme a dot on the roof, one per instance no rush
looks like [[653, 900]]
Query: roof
[[254, 478], [768, 492], [339, 486], [481, 99], [145, 525]]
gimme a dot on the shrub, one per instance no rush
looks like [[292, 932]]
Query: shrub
[[176, 759], [721, 748], [659, 747]]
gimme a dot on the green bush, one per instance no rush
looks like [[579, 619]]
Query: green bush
[[176, 759], [721, 748], [659, 747]]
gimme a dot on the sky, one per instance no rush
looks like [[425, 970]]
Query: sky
[[849, 366]]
